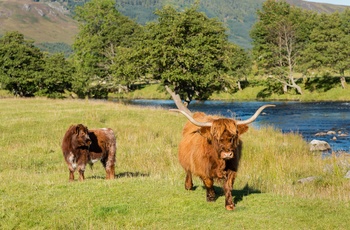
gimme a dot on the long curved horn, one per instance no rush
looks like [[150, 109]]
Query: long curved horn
[[256, 114], [185, 111], [191, 119]]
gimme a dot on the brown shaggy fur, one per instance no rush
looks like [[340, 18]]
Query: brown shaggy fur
[[212, 152], [81, 146]]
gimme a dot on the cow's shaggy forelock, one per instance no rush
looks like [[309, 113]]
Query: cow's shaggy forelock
[[223, 125]]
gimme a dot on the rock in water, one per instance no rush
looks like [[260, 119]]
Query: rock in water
[[317, 145]]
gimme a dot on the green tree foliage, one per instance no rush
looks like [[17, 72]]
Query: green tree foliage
[[104, 35], [56, 77], [190, 52], [279, 38], [57, 47], [26, 71], [236, 67], [329, 44], [21, 64], [263, 39], [344, 63]]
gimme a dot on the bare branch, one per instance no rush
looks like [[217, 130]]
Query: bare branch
[[178, 101]]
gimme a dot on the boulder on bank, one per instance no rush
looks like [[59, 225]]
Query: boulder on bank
[[317, 145]]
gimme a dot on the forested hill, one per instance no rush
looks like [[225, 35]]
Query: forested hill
[[238, 15], [48, 21]]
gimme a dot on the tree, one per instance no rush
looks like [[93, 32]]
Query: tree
[[56, 77], [278, 39], [286, 53], [329, 44], [21, 64], [188, 51], [236, 63], [324, 46], [103, 35], [344, 64]]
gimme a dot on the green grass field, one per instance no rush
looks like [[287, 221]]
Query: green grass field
[[148, 192]]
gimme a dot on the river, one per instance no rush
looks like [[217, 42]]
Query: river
[[305, 118]]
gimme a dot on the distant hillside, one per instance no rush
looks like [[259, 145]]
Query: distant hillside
[[47, 21], [42, 22], [237, 15], [318, 7]]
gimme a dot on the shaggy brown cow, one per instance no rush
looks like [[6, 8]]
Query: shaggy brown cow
[[81, 146], [211, 148]]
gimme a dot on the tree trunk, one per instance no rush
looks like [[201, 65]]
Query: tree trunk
[[285, 88], [343, 82], [239, 85], [298, 88], [294, 85]]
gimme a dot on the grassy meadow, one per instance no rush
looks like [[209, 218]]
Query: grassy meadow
[[148, 192]]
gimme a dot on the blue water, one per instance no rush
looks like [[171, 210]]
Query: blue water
[[305, 118]]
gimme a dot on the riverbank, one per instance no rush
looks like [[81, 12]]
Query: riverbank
[[253, 93]]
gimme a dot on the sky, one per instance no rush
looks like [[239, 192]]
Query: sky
[[336, 2]]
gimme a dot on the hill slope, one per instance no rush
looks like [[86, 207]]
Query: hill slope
[[42, 22], [51, 22], [237, 15]]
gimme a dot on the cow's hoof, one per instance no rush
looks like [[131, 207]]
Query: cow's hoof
[[190, 187], [210, 199], [230, 207]]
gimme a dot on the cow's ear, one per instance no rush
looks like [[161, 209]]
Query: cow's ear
[[76, 131], [205, 132], [242, 129]]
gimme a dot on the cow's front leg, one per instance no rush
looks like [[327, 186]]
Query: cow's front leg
[[228, 185], [188, 181], [209, 185], [71, 162], [81, 170], [71, 168], [71, 175]]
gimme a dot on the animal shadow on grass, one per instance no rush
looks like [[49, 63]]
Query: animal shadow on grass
[[131, 174], [237, 194], [123, 174]]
